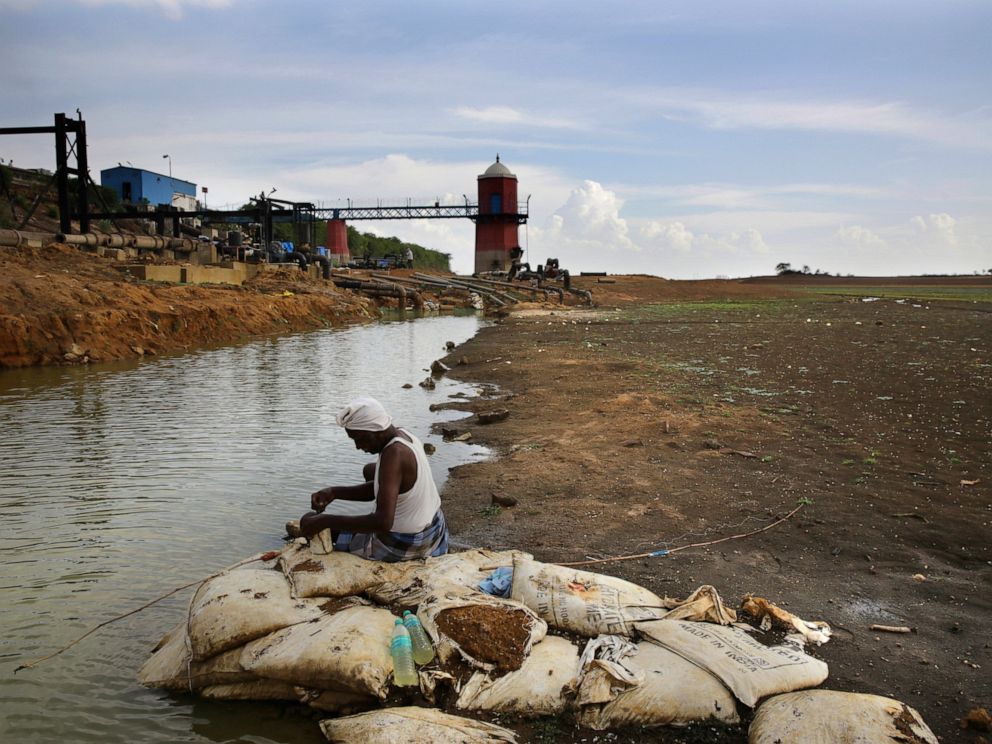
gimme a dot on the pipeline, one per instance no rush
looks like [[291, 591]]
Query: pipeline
[[90, 239], [584, 293], [521, 288], [379, 289], [325, 266], [18, 238], [484, 292]]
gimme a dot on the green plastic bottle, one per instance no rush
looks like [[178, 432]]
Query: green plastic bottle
[[401, 649], [423, 649]]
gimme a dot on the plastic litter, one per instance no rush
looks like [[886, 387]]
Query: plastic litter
[[498, 583], [401, 651], [423, 649]]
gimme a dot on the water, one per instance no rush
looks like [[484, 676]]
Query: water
[[121, 482]]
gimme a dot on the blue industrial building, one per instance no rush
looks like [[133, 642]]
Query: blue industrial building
[[134, 184]]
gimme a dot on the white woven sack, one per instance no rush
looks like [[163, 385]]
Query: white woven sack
[[541, 687], [749, 668], [231, 609], [405, 725], [829, 717], [347, 650], [583, 602], [448, 647], [651, 686]]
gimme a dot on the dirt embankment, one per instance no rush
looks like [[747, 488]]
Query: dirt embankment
[[61, 305], [634, 427]]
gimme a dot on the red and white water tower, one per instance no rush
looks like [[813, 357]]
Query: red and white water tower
[[497, 221]]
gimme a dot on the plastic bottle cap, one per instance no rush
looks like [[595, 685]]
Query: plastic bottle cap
[[406, 612], [398, 622]]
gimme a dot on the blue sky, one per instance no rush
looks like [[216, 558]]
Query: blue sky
[[686, 140]]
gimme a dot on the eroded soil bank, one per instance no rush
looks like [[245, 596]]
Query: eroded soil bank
[[61, 305], [641, 426]]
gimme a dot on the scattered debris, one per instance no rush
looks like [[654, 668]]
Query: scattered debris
[[978, 719], [428, 383], [770, 615], [489, 417], [891, 628], [913, 515], [732, 451]]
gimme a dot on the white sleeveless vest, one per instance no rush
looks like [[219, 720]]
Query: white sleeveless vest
[[415, 509]]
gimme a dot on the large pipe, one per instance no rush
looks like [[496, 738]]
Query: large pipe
[[10, 238], [85, 239], [180, 244], [518, 287], [16, 238], [325, 266]]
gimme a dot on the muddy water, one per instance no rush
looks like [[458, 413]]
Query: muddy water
[[120, 483]]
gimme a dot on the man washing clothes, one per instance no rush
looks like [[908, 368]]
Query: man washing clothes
[[407, 522]]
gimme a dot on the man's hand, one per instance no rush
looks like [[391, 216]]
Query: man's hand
[[320, 499]]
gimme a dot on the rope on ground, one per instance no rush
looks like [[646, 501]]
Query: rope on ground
[[660, 553], [91, 631]]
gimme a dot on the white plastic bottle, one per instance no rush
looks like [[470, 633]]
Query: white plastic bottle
[[423, 649], [401, 649]]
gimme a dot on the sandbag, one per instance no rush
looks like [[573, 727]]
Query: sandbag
[[749, 668], [347, 650], [829, 717], [487, 632], [259, 689], [171, 667], [449, 573], [337, 701], [169, 662], [405, 725], [336, 574], [236, 607], [582, 602], [647, 685], [541, 687]]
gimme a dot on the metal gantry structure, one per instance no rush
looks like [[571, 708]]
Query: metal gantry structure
[[70, 140]]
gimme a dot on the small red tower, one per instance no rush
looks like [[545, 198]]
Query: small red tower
[[496, 224]]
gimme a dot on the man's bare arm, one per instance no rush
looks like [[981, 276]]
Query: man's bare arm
[[362, 492]]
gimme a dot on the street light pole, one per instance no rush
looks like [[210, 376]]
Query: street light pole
[[172, 188]]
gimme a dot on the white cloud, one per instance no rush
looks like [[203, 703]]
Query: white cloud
[[170, 8], [942, 228], [858, 236], [511, 116], [592, 213], [672, 235], [721, 110]]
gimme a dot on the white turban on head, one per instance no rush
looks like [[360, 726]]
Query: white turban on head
[[364, 414]]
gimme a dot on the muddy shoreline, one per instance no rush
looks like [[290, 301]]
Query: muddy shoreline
[[638, 427]]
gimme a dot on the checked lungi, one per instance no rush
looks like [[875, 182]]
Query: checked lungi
[[391, 547]]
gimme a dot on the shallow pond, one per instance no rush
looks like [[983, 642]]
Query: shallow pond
[[121, 482]]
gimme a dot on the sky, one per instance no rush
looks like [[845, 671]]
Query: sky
[[712, 138]]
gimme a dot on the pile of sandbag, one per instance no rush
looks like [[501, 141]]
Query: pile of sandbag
[[315, 628]]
